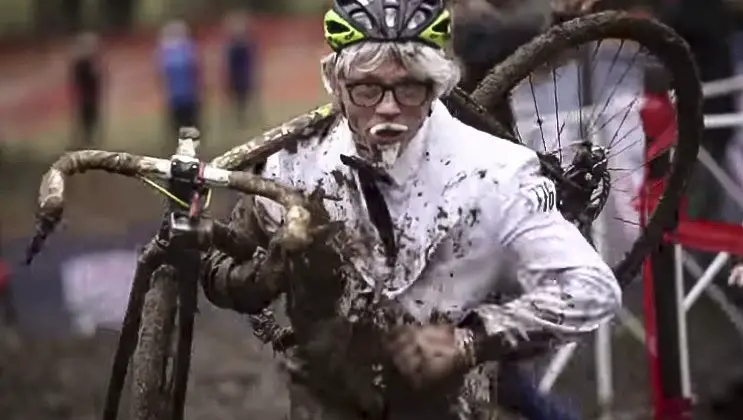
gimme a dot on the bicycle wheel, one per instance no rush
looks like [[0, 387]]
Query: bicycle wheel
[[541, 75], [151, 363]]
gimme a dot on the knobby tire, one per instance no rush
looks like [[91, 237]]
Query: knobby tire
[[151, 394]]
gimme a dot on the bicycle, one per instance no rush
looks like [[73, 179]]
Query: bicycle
[[152, 307], [156, 296]]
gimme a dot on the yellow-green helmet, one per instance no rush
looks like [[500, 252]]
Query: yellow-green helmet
[[352, 21]]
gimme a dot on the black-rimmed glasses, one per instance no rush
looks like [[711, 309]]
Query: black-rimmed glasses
[[367, 94]]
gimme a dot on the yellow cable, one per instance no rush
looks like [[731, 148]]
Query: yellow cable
[[164, 191], [208, 199]]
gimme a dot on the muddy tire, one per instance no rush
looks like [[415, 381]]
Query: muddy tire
[[151, 390]]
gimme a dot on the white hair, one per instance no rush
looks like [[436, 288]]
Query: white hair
[[422, 61]]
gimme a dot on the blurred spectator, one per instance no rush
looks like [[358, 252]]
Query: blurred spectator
[[86, 74], [241, 66], [180, 73], [507, 24], [486, 32]]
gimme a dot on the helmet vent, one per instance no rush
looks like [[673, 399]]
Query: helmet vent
[[443, 26], [390, 17], [335, 27], [362, 19], [417, 19]]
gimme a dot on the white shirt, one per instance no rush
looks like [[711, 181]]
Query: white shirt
[[471, 212]]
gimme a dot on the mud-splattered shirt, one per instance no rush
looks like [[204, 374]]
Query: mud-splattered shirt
[[471, 213]]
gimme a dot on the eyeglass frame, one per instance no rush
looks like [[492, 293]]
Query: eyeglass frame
[[389, 87]]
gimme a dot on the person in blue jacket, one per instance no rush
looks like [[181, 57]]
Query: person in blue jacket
[[241, 64], [178, 62]]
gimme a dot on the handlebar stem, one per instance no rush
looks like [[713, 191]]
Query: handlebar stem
[[188, 142], [186, 181]]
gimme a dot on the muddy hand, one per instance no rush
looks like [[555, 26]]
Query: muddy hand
[[305, 226], [430, 354]]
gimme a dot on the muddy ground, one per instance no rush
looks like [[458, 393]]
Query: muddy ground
[[232, 376]]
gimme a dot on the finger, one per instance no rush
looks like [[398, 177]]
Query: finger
[[438, 335], [410, 366], [444, 360], [396, 338], [412, 356], [438, 361], [418, 377], [431, 374], [404, 349], [435, 367]]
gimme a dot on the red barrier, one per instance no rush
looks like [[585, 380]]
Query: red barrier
[[695, 234], [659, 124], [658, 117], [708, 236]]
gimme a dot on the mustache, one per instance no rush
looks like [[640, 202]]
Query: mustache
[[388, 127]]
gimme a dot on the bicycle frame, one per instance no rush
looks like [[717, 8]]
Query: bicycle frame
[[183, 234]]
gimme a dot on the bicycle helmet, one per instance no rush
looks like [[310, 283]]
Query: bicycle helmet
[[352, 21]]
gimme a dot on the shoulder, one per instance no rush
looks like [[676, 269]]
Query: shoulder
[[500, 175], [494, 160]]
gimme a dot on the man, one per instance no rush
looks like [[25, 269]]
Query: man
[[389, 313], [180, 74], [86, 77], [241, 66]]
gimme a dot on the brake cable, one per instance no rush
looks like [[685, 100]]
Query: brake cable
[[164, 191]]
